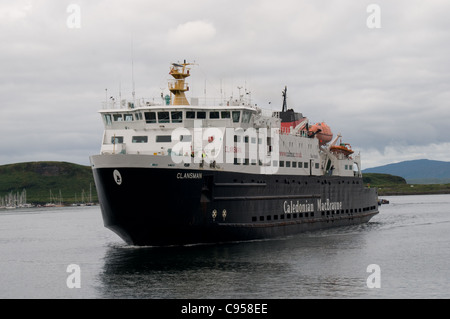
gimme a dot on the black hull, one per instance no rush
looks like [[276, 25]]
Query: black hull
[[154, 206]]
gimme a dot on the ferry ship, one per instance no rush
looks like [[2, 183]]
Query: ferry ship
[[176, 172]]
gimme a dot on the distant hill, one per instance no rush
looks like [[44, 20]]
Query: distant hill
[[376, 179], [44, 179], [417, 171]]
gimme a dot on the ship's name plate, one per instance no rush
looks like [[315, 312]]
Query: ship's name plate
[[189, 175], [291, 207]]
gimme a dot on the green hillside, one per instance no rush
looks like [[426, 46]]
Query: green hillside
[[379, 180], [396, 185], [41, 179]]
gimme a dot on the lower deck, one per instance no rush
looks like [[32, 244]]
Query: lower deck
[[156, 206]]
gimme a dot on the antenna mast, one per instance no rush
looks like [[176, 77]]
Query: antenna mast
[[284, 109], [133, 93]]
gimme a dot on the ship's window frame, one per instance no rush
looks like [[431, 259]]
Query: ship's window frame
[[190, 114], [236, 115], [178, 118], [300, 164], [108, 119], [305, 165], [294, 164], [139, 139], [281, 163], [117, 117], [225, 114], [246, 116], [138, 116], [116, 139], [201, 115], [128, 117], [150, 117], [163, 117], [214, 115], [288, 164], [163, 138], [317, 166]]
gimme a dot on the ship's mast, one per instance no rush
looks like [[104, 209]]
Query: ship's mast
[[284, 109], [178, 86]]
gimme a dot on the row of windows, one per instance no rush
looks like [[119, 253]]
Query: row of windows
[[282, 216], [177, 116], [311, 214], [144, 139], [289, 164]]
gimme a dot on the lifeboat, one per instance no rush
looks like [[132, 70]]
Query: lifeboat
[[343, 148], [322, 131]]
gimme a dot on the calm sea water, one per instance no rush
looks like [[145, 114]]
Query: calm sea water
[[409, 241]]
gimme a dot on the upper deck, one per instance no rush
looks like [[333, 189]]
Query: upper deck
[[233, 132]]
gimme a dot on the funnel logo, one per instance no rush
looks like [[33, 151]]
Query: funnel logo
[[117, 177]]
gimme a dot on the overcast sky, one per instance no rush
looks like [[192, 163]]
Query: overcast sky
[[380, 78]]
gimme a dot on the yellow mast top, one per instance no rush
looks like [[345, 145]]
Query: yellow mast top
[[177, 87]]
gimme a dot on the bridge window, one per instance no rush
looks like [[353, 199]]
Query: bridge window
[[246, 115], [190, 115], [128, 117], [108, 120], [117, 117], [236, 116], [150, 117], [163, 117], [225, 114], [177, 117], [213, 115], [201, 115]]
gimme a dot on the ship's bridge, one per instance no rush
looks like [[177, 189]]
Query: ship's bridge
[[157, 117]]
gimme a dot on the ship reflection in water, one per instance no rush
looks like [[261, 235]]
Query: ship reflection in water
[[303, 266]]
